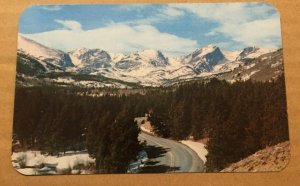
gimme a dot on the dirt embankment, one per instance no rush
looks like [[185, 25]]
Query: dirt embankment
[[274, 158]]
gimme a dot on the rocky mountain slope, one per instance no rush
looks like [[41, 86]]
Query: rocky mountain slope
[[44, 54], [204, 59], [274, 158], [90, 59], [265, 67]]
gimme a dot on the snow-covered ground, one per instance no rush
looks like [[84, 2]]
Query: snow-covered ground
[[198, 147], [146, 127], [276, 64], [143, 128], [33, 163]]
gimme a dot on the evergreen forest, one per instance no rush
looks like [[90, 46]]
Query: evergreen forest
[[238, 119]]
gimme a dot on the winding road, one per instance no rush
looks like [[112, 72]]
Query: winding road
[[169, 156]]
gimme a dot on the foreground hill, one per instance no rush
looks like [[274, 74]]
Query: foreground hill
[[274, 158]]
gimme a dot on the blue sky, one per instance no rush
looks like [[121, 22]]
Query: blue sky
[[175, 29]]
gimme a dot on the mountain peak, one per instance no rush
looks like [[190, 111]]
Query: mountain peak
[[154, 57], [82, 49], [249, 50], [204, 59], [252, 52], [204, 50], [96, 58], [150, 53], [211, 46], [147, 59]]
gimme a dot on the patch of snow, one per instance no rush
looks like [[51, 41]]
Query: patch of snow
[[115, 57], [75, 171], [232, 81], [260, 52], [75, 60], [249, 66], [218, 67], [16, 165], [198, 147], [253, 72], [225, 67], [231, 55], [204, 74], [276, 64], [27, 171], [149, 53], [210, 48], [145, 129], [85, 172], [246, 77], [175, 62], [62, 163], [64, 80]]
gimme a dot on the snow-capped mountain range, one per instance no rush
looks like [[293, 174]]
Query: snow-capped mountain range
[[147, 67]]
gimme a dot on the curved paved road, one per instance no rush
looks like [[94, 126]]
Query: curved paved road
[[170, 156]]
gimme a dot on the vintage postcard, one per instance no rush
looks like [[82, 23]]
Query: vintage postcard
[[150, 88]]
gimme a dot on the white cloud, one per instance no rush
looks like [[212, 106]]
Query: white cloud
[[245, 23], [228, 12], [51, 7], [69, 24], [166, 13], [265, 32], [115, 38], [171, 11]]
